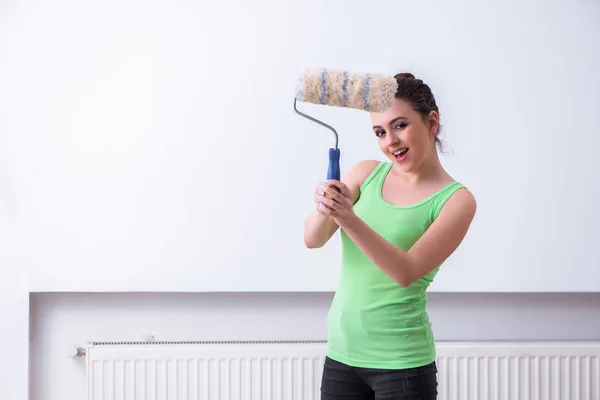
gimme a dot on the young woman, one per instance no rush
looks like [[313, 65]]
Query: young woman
[[399, 221]]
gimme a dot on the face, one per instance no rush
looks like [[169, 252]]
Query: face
[[403, 136]]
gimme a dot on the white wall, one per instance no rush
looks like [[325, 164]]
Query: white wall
[[61, 321], [130, 125]]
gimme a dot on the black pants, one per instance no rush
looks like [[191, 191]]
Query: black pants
[[343, 382]]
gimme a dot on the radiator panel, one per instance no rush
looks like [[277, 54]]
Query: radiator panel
[[519, 371], [292, 371]]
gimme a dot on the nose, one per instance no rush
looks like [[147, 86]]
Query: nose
[[392, 139]]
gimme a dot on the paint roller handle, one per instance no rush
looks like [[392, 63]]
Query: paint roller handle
[[333, 172]]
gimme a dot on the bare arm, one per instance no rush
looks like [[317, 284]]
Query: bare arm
[[319, 227], [441, 240]]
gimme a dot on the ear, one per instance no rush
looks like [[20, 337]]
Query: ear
[[434, 124]]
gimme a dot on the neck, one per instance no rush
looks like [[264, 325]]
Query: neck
[[430, 169]]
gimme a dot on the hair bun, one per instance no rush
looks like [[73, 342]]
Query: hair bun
[[404, 75]]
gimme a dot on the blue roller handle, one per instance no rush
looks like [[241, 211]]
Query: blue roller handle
[[333, 172]]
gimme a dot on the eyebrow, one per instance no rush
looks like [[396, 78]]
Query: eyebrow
[[392, 121]]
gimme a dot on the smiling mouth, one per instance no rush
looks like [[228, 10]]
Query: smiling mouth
[[400, 154]]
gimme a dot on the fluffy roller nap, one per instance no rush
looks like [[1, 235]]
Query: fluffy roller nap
[[362, 91]]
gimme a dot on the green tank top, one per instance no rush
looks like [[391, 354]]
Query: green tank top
[[373, 322]]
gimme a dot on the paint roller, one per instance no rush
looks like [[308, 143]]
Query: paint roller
[[340, 88]]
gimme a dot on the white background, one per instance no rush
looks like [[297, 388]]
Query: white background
[[148, 146], [126, 129]]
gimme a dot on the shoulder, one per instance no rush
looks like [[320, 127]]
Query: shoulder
[[445, 234], [358, 174], [461, 206], [360, 171]]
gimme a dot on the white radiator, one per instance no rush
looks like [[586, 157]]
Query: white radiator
[[292, 371]]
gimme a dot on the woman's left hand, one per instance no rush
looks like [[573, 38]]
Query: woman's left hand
[[339, 202]]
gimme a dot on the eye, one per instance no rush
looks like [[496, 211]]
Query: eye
[[401, 125], [379, 132]]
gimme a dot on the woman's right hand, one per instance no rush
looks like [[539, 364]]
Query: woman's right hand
[[318, 230], [320, 192], [319, 226]]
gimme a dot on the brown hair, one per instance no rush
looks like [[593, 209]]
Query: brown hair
[[419, 95]]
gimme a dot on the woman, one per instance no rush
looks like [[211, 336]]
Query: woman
[[399, 220]]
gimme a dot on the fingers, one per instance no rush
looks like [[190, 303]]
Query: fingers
[[334, 188], [330, 192], [341, 187], [331, 200], [319, 198], [332, 197], [323, 204], [326, 205]]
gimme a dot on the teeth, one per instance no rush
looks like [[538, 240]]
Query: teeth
[[400, 151]]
